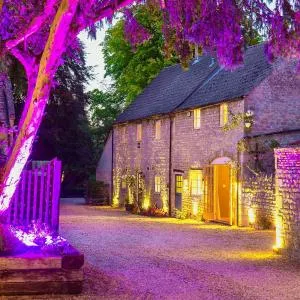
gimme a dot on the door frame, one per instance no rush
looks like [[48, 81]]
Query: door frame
[[175, 190], [211, 169]]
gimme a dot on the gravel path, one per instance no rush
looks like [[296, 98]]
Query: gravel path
[[133, 257]]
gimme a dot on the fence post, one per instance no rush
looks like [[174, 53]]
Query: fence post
[[42, 194], [35, 193], [56, 193], [48, 192], [29, 195], [22, 196]]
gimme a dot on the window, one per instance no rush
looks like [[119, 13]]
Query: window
[[139, 132], [157, 129], [157, 184], [223, 114], [178, 184], [197, 118], [196, 182], [123, 183]]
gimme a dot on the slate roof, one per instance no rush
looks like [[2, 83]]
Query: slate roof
[[205, 83]]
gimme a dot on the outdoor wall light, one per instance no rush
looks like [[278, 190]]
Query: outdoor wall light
[[249, 118]]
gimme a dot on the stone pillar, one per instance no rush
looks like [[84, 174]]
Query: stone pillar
[[288, 201]]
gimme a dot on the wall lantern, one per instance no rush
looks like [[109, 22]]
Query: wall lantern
[[249, 118]]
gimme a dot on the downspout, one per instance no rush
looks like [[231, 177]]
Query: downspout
[[112, 166], [170, 164], [238, 179]]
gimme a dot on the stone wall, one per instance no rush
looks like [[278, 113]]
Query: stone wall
[[276, 101], [288, 200], [149, 157], [259, 199], [197, 148], [104, 167]]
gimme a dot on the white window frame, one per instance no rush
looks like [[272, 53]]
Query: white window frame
[[196, 182], [158, 129], [157, 184], [139, 132], [224, 114], [197, 118]]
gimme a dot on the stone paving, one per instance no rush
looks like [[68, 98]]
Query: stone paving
[[134, 257]]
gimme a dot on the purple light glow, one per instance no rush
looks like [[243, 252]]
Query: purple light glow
[[38, 235]]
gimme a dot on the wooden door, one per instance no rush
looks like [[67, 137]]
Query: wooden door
[[178, 191], [222, 193], [209, 206]]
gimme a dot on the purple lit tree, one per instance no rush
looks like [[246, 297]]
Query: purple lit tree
[[40, 32]]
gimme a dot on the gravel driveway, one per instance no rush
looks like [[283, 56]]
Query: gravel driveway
[[133, 257]]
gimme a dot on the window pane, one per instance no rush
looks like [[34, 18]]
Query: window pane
[[196, 182], [197, 118], [157, 184], [179, 184], [223, 114]]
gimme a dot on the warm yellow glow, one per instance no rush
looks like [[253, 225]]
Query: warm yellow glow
[[185, 185], [251, 215], [164, 199], [116, 195], [197, 118], [115, 201], [279, 244], [147, 201], [195, 207], [279, 240], [195, 182], [130, 195], [157, 181], [223, 114]]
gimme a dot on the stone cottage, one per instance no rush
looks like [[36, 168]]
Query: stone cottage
[[199, 143]]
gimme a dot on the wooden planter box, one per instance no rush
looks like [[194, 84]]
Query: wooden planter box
[[39, 273]]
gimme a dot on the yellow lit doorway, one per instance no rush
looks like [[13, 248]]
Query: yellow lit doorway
[[222, 193], [219, 196]]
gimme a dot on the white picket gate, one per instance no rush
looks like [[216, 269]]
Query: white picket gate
[[37, 195]]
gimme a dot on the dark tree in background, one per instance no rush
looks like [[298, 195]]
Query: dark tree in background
[[64, 132], [104, 108]]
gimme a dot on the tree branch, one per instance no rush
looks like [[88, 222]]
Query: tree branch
[[35, 25], [54, 48], [105, 11]]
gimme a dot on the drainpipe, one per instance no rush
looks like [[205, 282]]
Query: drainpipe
[[170, 164], [238, 178], [112, 166]]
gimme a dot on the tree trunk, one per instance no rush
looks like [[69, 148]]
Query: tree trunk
[[36, 103]]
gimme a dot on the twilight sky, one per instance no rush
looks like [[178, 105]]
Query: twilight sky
[[94, 58]]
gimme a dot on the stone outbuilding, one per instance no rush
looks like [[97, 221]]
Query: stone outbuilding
[[199, 143]]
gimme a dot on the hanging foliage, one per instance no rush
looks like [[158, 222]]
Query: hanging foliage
[[217, 27]]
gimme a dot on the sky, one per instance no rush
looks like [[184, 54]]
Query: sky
[[94, 58]]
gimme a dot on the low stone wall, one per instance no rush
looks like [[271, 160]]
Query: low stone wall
[[288, 200], [259, 198]]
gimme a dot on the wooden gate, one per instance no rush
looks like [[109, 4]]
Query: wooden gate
[[37, 195]]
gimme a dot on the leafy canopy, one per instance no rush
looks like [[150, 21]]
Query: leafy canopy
[[132, 70]]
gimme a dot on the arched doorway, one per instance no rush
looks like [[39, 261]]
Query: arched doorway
[[219, 191]]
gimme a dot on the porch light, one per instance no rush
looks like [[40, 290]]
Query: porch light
[[251, 215]]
